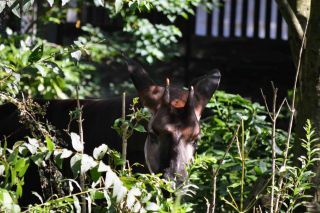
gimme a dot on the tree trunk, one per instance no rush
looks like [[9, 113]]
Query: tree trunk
[[308, 103], [308, 94]]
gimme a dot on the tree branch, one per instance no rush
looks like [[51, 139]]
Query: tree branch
[[290, 17]]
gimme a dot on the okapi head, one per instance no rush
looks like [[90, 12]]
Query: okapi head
[[174, 127]]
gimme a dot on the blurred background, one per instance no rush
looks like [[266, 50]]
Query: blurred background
[[246, 39]]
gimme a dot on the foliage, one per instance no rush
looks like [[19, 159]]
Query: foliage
[[43, 70], [298, 178], [110, 189]]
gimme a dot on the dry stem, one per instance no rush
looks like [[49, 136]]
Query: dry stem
[[215, 173], [82, 176], [292, 110]]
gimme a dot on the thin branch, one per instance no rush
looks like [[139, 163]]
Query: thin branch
[[124, 131], [265, 103], [292, 110], [290, 17], [215, 173], [82, 176]]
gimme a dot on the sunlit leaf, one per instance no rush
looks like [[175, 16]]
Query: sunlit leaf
[[99, 152], [50, 144], [50, 2], [2, 5], [99, 2], [87, 163], [76, 143], [75, 164], [76, 55], [152, 207], [118, 4], [64, 2]]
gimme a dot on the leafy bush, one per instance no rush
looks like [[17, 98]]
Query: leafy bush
[[241, 165], [43, 70]]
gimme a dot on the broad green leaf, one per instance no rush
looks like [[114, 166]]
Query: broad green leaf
[[38, 159], [87, 163], [118, 4], [119, 191], [76, 55], [131, 197], [36, 54], [152, 207], [136, 207], [2, 5], [103, 167], [66, 153], [50, 144], [110, 178], [140, 128], [22, 166], [75, 164], [76, 143], [99, 152]]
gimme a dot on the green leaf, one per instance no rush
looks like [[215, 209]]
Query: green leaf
[[76, 143], [76, 55], [22, 166], [99, 152], [152, 207], [118, 4], [75, 164], [87, 163], [36, 54], [50, 144], [139, 128], [2, 5]]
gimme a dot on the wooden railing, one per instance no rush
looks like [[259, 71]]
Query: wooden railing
[[256, 19]]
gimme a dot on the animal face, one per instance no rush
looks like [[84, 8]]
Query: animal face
[[174, 128]]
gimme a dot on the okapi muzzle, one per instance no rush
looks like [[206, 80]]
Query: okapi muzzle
[[174, 127]]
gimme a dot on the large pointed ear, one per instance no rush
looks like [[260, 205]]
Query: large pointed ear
[[150, 94], [204, 88]]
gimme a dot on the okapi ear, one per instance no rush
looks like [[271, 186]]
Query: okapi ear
[[204, 89], [150, 94]]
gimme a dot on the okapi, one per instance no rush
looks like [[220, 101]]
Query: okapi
[[173, 129]]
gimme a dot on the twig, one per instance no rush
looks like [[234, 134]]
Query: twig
[[273, 116], [243, 159], [82, 176], [292, 110], [124, 132], [216, 173]]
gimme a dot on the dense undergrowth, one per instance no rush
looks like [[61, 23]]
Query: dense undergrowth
[[232, 169], [235, 140]]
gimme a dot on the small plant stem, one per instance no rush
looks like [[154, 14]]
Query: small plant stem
[[82, 176], [214, 193], [242, 164], [124, 132], [216, 172], [62, 198], [273, 116], [274, 122], [292, 110]]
